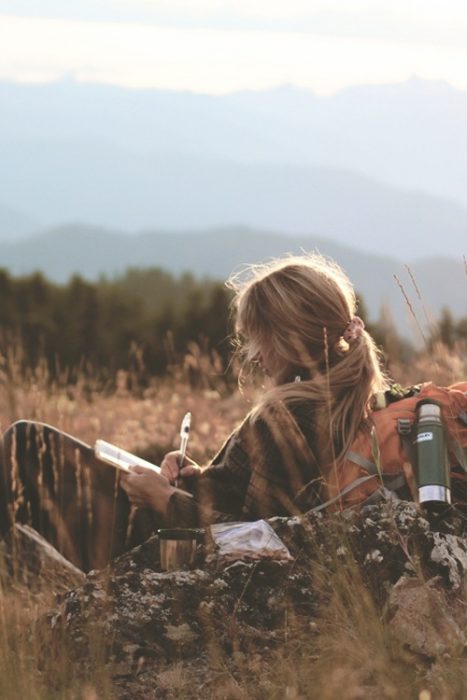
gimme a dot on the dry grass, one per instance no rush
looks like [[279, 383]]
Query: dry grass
[[146, 420], [441, 365], [354, 655], [28, 671], [132, 420]]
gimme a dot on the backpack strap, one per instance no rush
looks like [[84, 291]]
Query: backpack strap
[[404, 429], [347, 489], [393, 482], [363, 462]]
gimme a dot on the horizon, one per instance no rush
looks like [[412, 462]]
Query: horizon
[[217, 48], [68, 78]]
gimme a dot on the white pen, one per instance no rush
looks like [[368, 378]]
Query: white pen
[[184, 435]]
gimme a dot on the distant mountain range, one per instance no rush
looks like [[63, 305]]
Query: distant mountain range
[[99, 184], [382, 168], [411, 135], [92, 252]]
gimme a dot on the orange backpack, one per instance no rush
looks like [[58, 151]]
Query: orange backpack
[[381, 455]]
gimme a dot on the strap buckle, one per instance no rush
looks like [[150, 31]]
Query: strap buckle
[[404, 426]]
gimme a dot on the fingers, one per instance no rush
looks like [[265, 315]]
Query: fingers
[[139, 484], [133, 482], [136, 469], [172, 469], [170, 465], [189, 470], [127, 482], [144, 487]]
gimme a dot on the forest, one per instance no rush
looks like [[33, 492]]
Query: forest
[[146, 320]]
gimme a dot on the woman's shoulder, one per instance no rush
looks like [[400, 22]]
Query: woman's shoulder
[[285, 418]]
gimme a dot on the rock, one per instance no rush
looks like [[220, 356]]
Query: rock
[[450, 553], [28, 561], [149, 618], [421, 618]]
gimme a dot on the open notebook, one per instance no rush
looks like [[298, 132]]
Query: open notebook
[[120, 459]]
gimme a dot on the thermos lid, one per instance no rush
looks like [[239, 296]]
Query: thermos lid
[[428, 408]]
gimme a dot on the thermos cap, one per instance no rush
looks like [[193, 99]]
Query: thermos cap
[[428, 410]]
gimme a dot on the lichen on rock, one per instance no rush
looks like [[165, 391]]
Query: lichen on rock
[[414, 568]]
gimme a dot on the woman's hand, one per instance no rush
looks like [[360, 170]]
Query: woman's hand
[[173, 469], [144, 487]]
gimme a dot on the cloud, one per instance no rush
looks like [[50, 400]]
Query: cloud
[[214, 60], [420, 21]]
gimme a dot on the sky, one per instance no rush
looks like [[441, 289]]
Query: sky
[[215, 47]]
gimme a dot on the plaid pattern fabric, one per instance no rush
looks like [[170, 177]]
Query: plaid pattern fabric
[[53, 482], [266, 467]]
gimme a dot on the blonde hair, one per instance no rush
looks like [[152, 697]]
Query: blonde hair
[[297, 308]]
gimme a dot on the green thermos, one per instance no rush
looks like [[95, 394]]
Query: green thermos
[[433, 476]]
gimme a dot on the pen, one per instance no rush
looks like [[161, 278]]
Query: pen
[[184, 435]]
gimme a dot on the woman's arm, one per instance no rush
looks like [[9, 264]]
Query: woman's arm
[[267, 467], [215, 493]]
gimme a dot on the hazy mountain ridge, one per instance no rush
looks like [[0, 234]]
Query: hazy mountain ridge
[[411, 135], [97, 183], [92, 252], [283, 159]]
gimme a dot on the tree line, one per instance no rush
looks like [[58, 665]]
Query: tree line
[[147, 317]]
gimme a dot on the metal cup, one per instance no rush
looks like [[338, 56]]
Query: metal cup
[[177, 548]]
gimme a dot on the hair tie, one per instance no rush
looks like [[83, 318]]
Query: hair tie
[[354, 329]]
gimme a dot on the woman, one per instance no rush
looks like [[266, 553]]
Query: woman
[[296, 318]]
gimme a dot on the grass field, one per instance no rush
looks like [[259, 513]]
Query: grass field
[[354, 646]]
